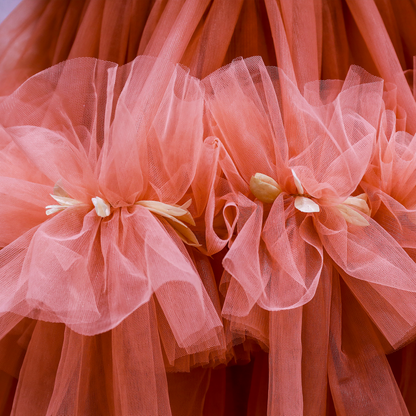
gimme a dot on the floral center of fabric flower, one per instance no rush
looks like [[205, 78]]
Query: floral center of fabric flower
[[303, 202], [266, 189], [176, 215], [102, 208]]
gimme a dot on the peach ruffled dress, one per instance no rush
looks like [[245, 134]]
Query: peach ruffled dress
[[207, 208]]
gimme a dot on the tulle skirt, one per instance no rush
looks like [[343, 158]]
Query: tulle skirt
[[207, 208]]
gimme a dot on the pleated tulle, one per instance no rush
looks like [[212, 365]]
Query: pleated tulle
[[89, 375]]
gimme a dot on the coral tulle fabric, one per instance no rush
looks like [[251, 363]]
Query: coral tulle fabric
[[207, 207]]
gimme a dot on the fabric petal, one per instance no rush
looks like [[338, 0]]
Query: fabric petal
[[352, 216], [306, 205], [298, 185]]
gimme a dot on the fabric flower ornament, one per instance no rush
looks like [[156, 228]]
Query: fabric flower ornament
[[95, 164], [316, 151], [302, 157]]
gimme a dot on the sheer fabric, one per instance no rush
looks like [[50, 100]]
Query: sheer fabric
[[207, 208]]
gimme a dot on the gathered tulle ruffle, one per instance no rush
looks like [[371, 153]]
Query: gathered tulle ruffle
[[116, 142], [316, 146], [277, 257]]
